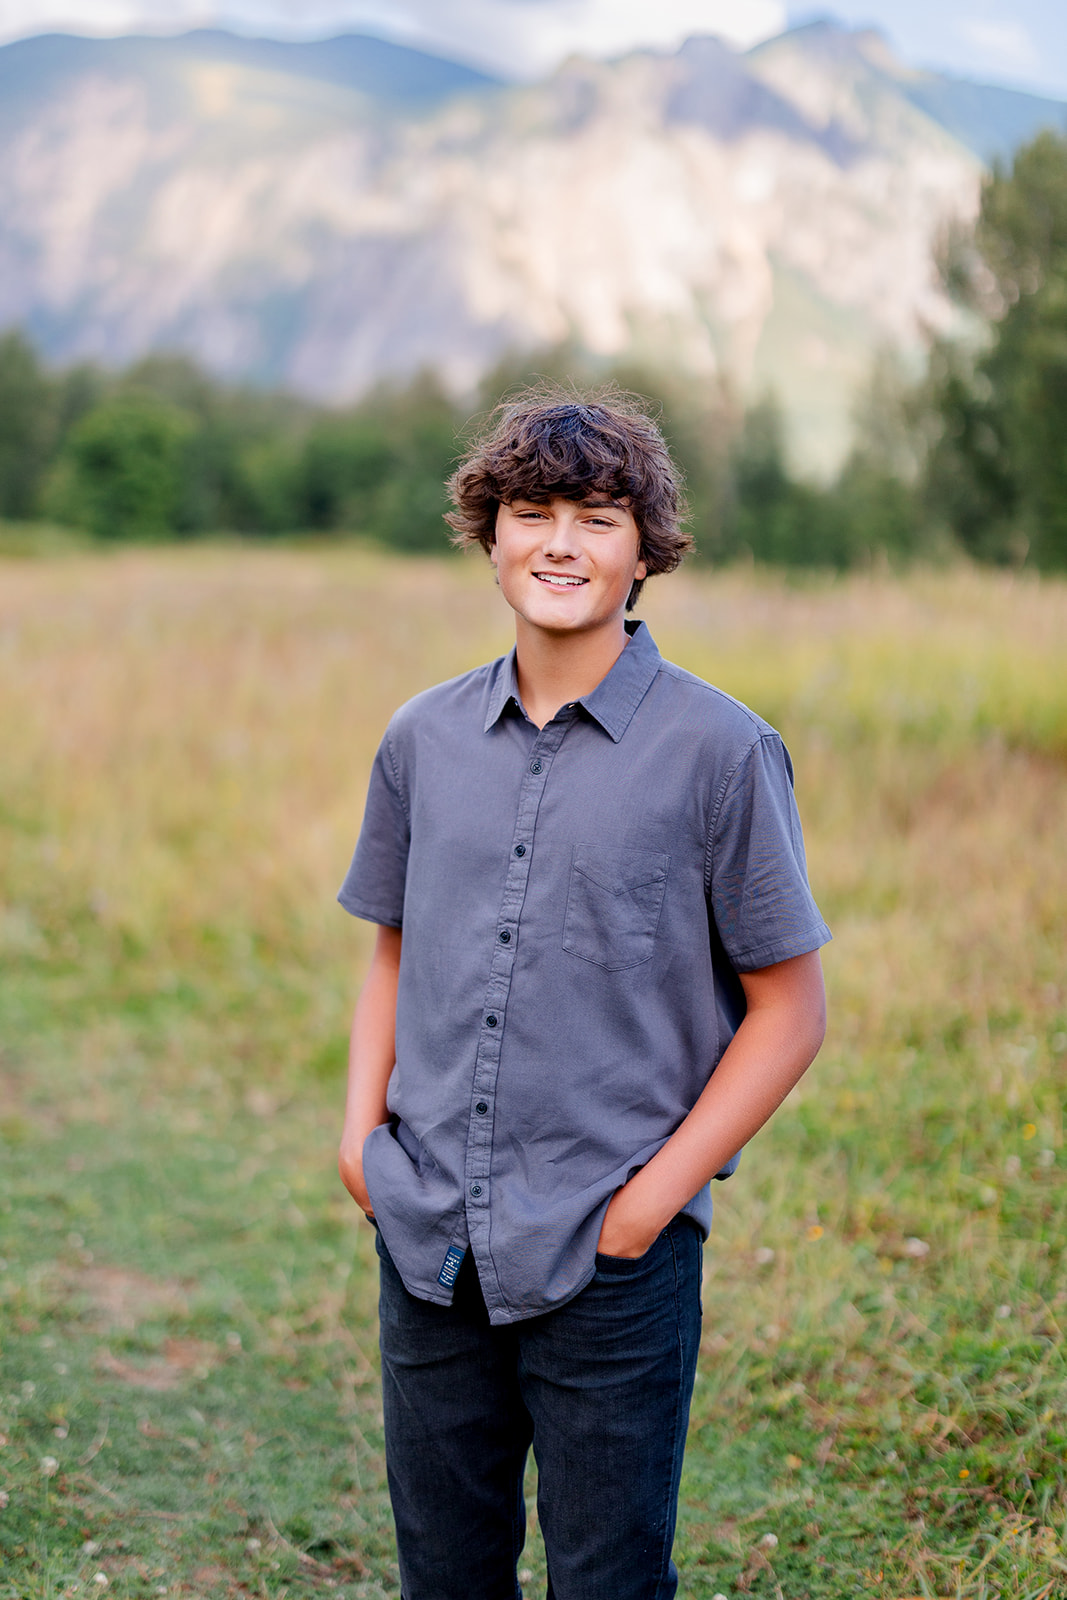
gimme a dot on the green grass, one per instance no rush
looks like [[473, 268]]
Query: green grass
[[188, 1391]]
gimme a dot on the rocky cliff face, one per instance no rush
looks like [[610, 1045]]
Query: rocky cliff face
[[322, 223]]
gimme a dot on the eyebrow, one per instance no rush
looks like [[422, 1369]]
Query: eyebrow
[[597, 501]]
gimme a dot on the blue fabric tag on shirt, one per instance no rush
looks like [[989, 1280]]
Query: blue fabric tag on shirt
[[453, 1261]]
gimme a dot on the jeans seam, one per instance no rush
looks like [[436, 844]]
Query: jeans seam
[[668, 1542]]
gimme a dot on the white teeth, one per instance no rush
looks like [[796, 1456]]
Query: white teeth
[[559, 582]]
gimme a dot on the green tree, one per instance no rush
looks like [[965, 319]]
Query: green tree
[[873, 510], [998, 471], [121, 472], [771, 516], [27, 426], [875, 496], [346, 460], [266, 488], [379, 468], [239, 461], [426, 444], [698, 418]]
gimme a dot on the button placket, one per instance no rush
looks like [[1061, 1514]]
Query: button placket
[[494, 1011]]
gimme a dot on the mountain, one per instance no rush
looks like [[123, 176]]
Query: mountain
[[838, 64], [33, 69], [323, 215]]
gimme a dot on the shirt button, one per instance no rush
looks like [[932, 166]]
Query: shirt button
[[476, 1189], [481, 1108], [537, 766], [491, 1020], [505, 936], [520, 849]]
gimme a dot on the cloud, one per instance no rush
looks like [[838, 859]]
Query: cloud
[[535, 34], [1002, 45], [311, 18], [521, 38]]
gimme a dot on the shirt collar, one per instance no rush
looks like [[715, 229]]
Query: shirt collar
[[614, 700]]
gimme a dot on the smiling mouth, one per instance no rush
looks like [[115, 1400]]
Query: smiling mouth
[[560, 580]]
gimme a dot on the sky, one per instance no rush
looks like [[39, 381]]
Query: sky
[[1018, 42]]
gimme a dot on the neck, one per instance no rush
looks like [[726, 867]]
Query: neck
[[554, 669]]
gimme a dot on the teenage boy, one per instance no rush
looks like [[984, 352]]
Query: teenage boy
[[595, 977]]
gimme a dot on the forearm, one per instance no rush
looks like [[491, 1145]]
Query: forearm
[[775, 1044], [371, 1057]]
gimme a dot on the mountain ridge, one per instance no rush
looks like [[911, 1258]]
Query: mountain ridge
[[392, 72], [324, 216]]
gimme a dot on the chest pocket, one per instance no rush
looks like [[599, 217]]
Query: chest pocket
[[613, 905]]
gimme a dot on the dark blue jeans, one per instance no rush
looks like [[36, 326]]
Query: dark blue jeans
[[600, 1388]]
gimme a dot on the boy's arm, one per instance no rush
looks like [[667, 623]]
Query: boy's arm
[[775, 1044], [371, 1057]]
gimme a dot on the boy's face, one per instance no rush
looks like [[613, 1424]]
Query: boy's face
[[567, 566]]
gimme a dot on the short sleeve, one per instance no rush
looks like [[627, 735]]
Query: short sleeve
[[374, 884], [758, 884]]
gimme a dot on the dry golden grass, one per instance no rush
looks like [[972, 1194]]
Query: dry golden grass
[[186, 736]]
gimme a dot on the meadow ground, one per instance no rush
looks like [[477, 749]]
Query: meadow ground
[[188, 1397]]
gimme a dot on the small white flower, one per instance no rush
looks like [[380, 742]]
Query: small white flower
[[1003, 1312], [764, 1256], [769, 1541], [101, 1580], [917, 1248], [90, 1547], [253, 1544], [4, 1498], [49, 1466]]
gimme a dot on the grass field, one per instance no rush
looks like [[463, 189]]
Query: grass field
[[188, 1397]]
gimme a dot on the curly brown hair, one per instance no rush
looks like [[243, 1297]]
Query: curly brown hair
[[550, 443]]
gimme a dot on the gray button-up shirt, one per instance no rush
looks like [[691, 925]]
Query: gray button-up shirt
[[576, 903]]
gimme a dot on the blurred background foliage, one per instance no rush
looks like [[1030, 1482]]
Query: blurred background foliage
[[968, 459]]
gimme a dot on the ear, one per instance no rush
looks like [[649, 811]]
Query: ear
[[640, 571], [492, 552]]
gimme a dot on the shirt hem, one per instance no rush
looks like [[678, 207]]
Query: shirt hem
[[500, 1317], [368, 913], [768, 955]]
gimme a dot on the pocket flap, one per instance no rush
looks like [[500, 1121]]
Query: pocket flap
[[620, 871]]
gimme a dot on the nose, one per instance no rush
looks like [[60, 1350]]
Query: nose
[[561, 542]]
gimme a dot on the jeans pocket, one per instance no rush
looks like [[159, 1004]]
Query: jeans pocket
[[614, 903], [629, 1266]]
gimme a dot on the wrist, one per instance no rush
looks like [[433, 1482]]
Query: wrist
[[350, 1167], [630, 1226]]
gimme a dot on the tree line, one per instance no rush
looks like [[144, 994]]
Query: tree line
[[969, 459]]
